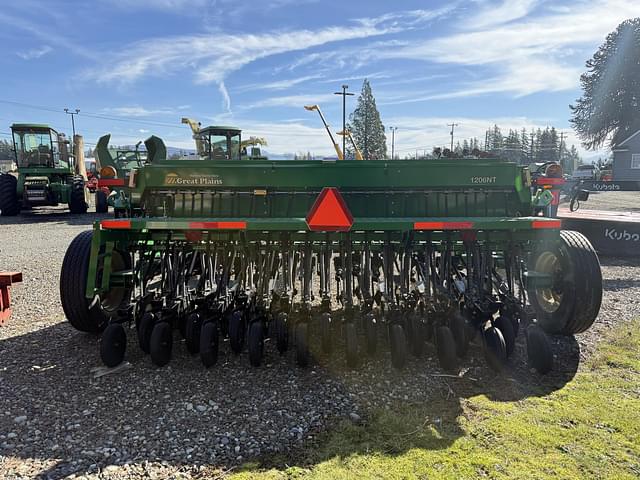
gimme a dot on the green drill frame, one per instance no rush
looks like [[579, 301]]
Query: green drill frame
[[262, 202]]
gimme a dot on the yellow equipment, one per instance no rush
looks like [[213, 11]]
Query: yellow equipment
[[357, 151], [335, 145]]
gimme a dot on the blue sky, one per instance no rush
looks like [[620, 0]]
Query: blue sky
[[135, 67]]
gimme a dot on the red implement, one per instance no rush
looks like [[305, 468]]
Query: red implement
[[6, 280]]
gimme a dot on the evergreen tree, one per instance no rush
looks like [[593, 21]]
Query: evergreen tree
[[366, 126], [609, 104]]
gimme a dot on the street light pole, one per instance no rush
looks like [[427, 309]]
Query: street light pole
[[393, 141], [344, 117]]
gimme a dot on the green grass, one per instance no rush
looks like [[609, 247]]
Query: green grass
[[588, 428]]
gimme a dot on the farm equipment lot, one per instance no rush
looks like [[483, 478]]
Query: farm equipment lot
[[57, 419]]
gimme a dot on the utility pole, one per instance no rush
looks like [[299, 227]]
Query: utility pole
[[452, 125], [73, 124], [73, 114], [393, 141], [344, 116]]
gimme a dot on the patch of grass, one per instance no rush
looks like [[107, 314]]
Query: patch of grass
[[590, 428]]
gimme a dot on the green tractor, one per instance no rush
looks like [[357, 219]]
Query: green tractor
[[47, 172]]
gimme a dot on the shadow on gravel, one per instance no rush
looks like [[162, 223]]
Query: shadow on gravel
[[55, 411], [44, 215]]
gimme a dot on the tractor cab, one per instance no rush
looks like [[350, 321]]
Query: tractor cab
[[219, 143], [39, 146]]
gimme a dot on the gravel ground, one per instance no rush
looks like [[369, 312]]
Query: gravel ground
[[612, 201], [182, 421]]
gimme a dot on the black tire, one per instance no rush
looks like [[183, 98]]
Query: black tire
[[236, 332], [326, 333], [161, 344], [572, 305], [417, 335], [255, 342], [446, 348], [351, 344], [77, 201], [371, 333], [9, 204], [101, 202], [495, 350], [303, 356], [193, 326], [398, 343], [73, 283], [505, 325], [145, 327], [113, 345], [539, 352], [209, 344], [281, 332], [459, 328]]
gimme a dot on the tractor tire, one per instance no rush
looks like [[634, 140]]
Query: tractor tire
[[77, 202], [145, 327], [193, 327], [237, 332], [505, 325], [209, 344], [101, 202], [459, 329], [398, 343], [351, 344], [303, 355], [113, 345], [73, 282], [255, 343], [539, 351], [447, 349], [281, 332], [9, 205], [572, 304], [371, 333], [161, 344], [495, 349]]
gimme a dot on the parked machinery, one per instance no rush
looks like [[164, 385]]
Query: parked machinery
[[47, 173], [114, 165], [332, 255]]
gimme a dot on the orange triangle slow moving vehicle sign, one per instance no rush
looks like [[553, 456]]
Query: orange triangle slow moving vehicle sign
[[329, 212]]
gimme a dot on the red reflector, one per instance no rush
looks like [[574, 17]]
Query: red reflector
[[111, 182], [218, 225], [116, 224], [329, 212], [443, 225], [537, 224], [550, 181]]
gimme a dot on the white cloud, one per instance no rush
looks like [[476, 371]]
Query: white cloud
[[212, 57], [296, 101], [528, 56], [34, 52], [492, 14], [282, 84], [135, 111], [191, 6]]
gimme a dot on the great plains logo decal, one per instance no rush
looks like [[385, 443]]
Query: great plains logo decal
[[193, 180]]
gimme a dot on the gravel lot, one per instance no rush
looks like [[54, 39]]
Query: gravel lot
[[183, 421]]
